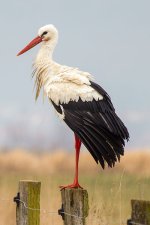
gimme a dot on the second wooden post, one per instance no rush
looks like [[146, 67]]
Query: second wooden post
[[75, 206]]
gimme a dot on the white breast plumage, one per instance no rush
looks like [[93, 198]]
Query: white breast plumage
[[70, 85]]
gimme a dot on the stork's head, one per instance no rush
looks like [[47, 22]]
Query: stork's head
[[47, 34]]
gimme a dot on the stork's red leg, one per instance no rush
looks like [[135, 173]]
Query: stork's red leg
[[77, 149]]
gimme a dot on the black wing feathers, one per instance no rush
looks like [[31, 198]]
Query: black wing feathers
[[98, 127], [100, 90]]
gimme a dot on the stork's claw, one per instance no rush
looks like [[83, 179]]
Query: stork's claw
[[74, 185]]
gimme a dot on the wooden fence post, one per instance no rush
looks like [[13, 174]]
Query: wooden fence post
[[140, 212], [75, 206], [29, 195]]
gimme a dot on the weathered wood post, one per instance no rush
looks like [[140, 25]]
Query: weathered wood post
[[140, 212], [29, 199], [75, 206]]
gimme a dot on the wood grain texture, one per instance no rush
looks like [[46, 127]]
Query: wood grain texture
[[140, 212], [75, 202], [30, 194]]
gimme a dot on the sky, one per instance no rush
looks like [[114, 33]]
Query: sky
[[109, 39]]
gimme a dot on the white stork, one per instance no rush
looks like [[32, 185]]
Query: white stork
[[81, 103]]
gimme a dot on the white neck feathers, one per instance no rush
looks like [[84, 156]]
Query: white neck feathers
[[46, 51], [42, 64]]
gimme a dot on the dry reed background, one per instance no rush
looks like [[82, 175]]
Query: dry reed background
[[110, 191]]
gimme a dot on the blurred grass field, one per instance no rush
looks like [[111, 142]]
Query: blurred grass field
[[110, 191]]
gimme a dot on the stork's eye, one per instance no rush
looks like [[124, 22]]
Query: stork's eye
[[44, 33]]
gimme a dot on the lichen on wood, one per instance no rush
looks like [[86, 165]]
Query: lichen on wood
[[75, 203], [30, 195], [140, 212]]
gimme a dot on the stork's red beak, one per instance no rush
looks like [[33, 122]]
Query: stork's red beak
[[33, 43]]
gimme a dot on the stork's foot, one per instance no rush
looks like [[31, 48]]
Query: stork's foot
[[74, 185]]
